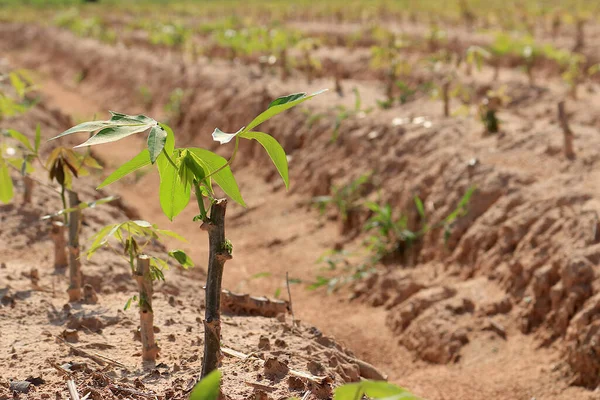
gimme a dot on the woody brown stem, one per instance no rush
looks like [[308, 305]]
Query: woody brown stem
[[567, 133], [283, 65], [28, 184], [75, 278], [446, 98], [58, 237], [144, 282], [218, 255]]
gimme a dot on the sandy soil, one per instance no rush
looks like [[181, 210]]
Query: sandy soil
[[507, 310]]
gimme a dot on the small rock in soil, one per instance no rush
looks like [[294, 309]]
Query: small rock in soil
[[20, 386], [264, 343], [89, 294], [295, 383], [70, 335], [275, 369]]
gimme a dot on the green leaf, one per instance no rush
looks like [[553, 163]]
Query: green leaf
[[137, 162], [18, 84], [373, 389], [174, 195], [420, 207], [207, 388], [38, 137], [379, 389], [279, 105], [128, 304], [261, 275], [20, 138], [100, 238], [91, 126], [351, 391], [114, 133], [274, 150], [6, 184], [156, 142], [171, 234], [224, 178], [182, 258]]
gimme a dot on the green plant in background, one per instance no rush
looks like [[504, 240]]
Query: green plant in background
[[339, 271], [93, 27], [392, 236], [342, 113], [310, 64], [346, 199], [20, 157], [170, 35], [173, 106], [146, 97], [13, 96], [475, 57], [436, 38], [184, 169], [63, 164], [489, 107], [387, 57], [500, 48]]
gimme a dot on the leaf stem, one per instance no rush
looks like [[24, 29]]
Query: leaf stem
[[169, 158], [228, 163], [64, 202], [200, 201]]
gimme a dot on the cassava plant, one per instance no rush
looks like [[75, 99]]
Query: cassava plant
[[311, 64], [134, 237], [182, 170], [563, 120], [488, 109], [64, 164]]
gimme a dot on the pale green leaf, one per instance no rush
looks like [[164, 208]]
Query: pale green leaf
[[207, 388], [141, 223], [6, 184], [380, 389], [38, 137], [100, 238], [224, 137], [91, 126], [224, 178], [156, 142], [171, 234], [114, 133], [351, 391], [137, 162], [420, 208], [20, 138], [274, 150]]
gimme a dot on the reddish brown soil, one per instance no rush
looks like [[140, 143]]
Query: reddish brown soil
[[506, 310]]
